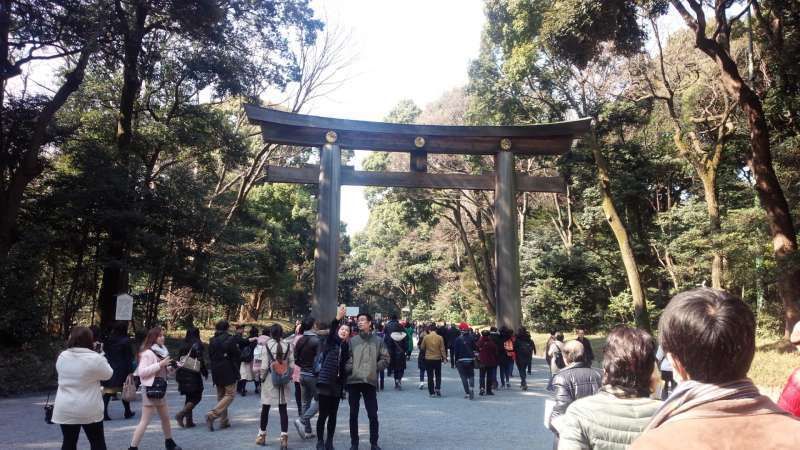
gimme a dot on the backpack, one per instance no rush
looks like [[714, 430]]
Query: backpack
[[319, 361], [559, 358], [508, 346], [278, 369], [247, 354]]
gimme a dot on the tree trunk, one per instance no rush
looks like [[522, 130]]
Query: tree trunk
[[641, 316], [770, 193], [709, 179], [115, 275]]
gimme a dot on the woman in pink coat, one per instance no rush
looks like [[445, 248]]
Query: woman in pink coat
[[153, 362]]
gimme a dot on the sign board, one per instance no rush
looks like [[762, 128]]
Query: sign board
[[352, 311], [378, 316], [124, 307]]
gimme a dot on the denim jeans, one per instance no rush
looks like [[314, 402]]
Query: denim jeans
[[466, 370], [308, 390]]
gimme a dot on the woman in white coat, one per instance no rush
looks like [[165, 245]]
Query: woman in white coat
[[153, 362], [79, 402], [278, 351]]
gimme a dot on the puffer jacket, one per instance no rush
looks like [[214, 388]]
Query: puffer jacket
[[604, 421], [331, 377], [368, 356], [487, 351], [573, 382]]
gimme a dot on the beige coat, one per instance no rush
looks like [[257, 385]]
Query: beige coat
[[745, 424], [270, 394], [433, 344]]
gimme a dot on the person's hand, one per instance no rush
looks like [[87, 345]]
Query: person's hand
[[165, 362], [340, 312]]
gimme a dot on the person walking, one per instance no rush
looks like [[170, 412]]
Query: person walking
[[524, 348], [152, 371], [487, 355], [665, 367], [305, 353], [119, 353], [574, 381], [555, 353], [421, 357], [588, 353], [617, 414], [78, 403], [276, 376], [452, 334], [224, 353], [190, 376], [507, 356], [331, 379], [247, 347], [367, 356], [298, 389], [464, 353], [410, 342], [395, 338], [435, 355]]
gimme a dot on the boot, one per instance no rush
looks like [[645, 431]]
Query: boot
[[171, 445], [128, 412], [187, 409], [189, 420], [284, 441], [261, 439]]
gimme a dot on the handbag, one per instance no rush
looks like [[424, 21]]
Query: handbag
[[190, 363], [48, 410], [129, 389], [158, 390]]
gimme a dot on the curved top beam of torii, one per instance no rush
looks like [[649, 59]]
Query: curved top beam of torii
[[282, 127]]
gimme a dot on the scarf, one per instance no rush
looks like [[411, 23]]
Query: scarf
[[160, 351], [691, 394]]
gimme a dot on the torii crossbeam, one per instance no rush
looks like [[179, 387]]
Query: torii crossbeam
[[331, 135]]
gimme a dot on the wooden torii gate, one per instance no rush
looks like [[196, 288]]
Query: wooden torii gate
[[331, 135]]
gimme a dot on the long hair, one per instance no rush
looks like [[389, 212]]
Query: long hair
[[276, 333], [192, 335], [150, 339]]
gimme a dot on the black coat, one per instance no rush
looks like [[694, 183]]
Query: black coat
[[190, 382], [524, 348], [573, 382], [224, 354], [119, 354], [331, 377]]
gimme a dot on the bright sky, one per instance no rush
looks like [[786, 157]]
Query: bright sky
[[415, 49]]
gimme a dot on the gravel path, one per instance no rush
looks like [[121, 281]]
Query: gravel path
[[409, 419]]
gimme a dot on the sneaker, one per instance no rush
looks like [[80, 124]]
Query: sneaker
[[421, 385], [490, 393], [301, 428], [438, 393], [466, 396], [261, 439], [129, 414], [431, 395], [482, 392]]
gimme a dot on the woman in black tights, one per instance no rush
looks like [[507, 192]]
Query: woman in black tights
[[330, 382], [279, 356]]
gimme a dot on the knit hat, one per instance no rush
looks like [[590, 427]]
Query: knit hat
[[463, 326]]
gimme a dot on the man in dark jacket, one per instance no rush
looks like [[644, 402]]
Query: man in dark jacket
[[574, 381], [588, 354], [224, 354], [305, 353], [464, 353], [396, 340]]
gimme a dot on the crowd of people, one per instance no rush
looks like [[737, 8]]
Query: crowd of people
[[691, 383]]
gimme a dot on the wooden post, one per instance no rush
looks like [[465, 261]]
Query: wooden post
[[326, 256], [509, 308]]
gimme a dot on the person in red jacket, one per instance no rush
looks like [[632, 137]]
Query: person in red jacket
[[487, 356]]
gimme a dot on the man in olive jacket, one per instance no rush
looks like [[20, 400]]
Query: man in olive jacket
[[368, 356], [224, 354]]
